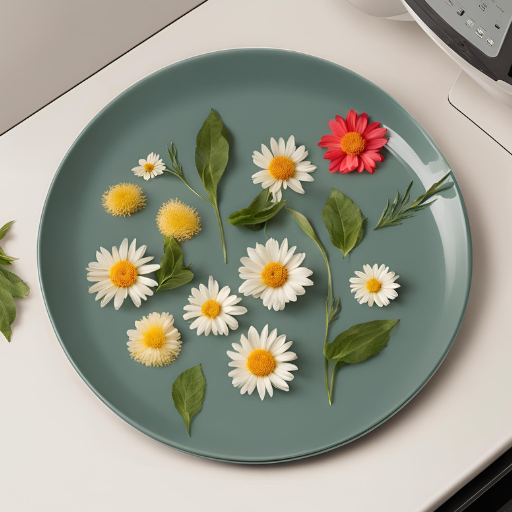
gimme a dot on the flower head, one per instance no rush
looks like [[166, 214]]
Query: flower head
[[178, 220], [375, 284], [283, 167], [124, 199], [273, 273], [354, 144], [154, 341], [149, 168], [212, 309], [120, 274], [262, 361]]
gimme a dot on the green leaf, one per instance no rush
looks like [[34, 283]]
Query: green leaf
[[212, 155], [4, 259], [13, 284], [188, 393], [261, 210], [306, 226], [172, 273], [360, 341], [343, 220], [212, 152], [7, 312], [5, 228]]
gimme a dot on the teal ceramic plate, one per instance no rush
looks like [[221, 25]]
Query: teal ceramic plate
[[259, 94]]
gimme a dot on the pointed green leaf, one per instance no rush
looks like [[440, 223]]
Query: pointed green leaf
[[172, 273], [13, 284], [261, 210], [212, 152], [360, 341], [343, 220], [188, 393], [5, 228], [7, 312]]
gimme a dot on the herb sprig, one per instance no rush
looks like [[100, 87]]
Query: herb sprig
[[402, 209], [10, 286]]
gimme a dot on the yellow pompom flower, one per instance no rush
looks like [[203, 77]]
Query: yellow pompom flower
[[178, 220], [123, 199]]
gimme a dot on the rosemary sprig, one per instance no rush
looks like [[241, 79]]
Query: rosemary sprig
[[178, 171], [402, 209]]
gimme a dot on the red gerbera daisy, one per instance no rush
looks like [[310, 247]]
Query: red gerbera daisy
[[354, 144]]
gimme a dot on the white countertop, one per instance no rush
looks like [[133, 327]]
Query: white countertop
[[62, 449]]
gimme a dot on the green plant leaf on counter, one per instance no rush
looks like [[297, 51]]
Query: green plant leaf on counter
[[344, 221], [188, 393], [172, 273], [261, 210], [10, 286], [212, 155], [406, 210]]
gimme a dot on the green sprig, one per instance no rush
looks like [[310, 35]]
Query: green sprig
[[402, 209]]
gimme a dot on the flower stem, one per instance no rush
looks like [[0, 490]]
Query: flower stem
[[221, 231], [182, 178], [326, 363]]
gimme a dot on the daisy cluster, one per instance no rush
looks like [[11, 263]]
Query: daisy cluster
[[272, 272]]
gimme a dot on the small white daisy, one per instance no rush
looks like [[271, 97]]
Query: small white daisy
[[262, 362], [284, 167], [121, 273], [273, 273], [155, 341], [212, 309], [149, 168], [375, 284]]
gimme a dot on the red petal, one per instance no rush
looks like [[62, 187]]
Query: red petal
[[369, 164], [352, 162], [330, 141], [375, 134], [373, 144], [371, 127], [362, 123], [343, 124], [351, 120], [336, 128], [374, 156], [361, 165], [333, 153]]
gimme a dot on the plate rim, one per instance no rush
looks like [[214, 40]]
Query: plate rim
[[333, 446]]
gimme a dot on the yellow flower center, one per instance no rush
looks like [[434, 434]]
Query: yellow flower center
[[281, 168], [260, 363], [148, 167], [274, 275], [210, 309], [373, 285], [154, 337], [124, 199], [353, 143], [178, 220], [123, 274]]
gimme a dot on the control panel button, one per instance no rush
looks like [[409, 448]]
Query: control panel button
[[469, 22], [449, 2], [480, 32], [460, 11], [490, 42]]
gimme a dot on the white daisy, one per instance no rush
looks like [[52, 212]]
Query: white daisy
[[262, 362], [155, 341], [375, 284], [284, 167], [121, 273], [273, 273], [149, 168], [212, 309]]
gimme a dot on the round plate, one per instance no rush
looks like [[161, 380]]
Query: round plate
[[259, 94]]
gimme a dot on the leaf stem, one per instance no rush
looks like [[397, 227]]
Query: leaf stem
[[182, 178], [216, 208], [331, 393]]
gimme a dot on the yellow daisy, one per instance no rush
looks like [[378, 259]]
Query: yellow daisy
[[123, 199], [154, 341], [178, 220]]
